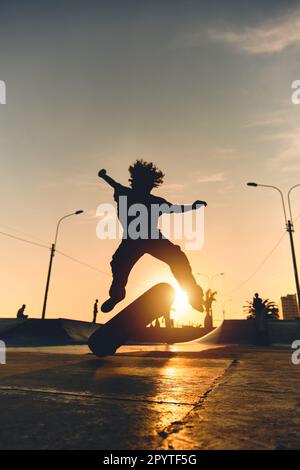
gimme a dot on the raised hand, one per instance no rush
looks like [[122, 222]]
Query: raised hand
[[102, 173], [198, 203]]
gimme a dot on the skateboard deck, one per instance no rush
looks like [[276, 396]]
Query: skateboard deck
[[152, 304]]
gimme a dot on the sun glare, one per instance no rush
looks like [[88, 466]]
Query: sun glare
[[180, 305]]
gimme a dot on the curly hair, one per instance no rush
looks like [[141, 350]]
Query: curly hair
[[147, 173]]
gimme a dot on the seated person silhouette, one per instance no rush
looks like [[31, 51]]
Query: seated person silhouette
[[143, 178], [20, 313]]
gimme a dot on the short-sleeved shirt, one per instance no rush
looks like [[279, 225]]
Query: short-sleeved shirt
[[145, 218]]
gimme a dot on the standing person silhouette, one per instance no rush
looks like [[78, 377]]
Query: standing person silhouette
[[259, 311], [95, 311], [260, 321], [144, 177]]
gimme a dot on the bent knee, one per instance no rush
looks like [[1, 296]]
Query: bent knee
[[177, 251], [177, 257], [115, 262]]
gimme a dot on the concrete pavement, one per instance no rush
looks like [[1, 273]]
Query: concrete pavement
[[221, 398]]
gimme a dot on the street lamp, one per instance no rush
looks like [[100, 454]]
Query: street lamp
[[255, 185], [214, 276], [289, 200], [52, 252], [207, 277], [211, 278], [224, 303], [289, 228]]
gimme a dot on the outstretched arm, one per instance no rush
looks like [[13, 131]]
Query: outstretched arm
[[102, 174], [177, 208]]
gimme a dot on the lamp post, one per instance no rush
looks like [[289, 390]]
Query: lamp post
[[224, 303], [211, 278], [52, 252], [214, 276], [289, 200], [289, 228], [207, 277]]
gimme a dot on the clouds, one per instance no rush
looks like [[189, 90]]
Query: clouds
[[272, 36], [281, 132], [213, 178], [75, 181], [271, 119], [289, 148], [224, 153]]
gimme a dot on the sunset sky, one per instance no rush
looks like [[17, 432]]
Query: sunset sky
[[203, 89]]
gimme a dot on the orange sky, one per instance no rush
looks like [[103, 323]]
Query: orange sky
[[103, 87]]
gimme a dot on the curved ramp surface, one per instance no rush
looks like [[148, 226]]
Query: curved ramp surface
[[46, 332], [244, 332], [231, 332], [8, 324]]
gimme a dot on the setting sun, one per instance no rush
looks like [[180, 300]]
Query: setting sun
[[180, 306]]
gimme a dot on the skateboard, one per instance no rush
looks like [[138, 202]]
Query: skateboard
[[152, 304]]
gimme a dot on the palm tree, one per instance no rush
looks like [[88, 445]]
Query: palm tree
[[267, 309], [209, 298]]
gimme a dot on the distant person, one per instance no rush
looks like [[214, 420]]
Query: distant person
[[21, 314], [95, 311], [259, 310], [257, 303], [260, 321], [144, 177]]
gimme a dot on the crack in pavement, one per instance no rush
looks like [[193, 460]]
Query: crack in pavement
[[177, 426], [79, 395]]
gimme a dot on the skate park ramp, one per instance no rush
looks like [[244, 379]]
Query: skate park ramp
[[8, 324], [38, 332], [230, 332], [60, 331], [244, 332]]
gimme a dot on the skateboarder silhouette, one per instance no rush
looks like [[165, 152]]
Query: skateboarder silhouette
[[144, 177]]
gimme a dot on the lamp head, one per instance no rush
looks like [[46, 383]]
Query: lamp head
[[252, 184], [78, 212]]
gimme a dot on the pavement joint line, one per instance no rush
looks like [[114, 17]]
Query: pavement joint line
[[46, 391], [176, 426]]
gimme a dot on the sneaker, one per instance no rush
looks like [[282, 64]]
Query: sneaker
[[197, 300], [108, 305], [198, 305]]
